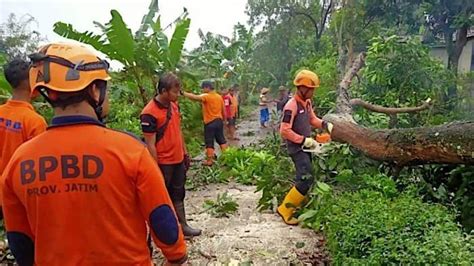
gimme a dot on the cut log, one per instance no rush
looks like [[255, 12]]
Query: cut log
[[451, 143]]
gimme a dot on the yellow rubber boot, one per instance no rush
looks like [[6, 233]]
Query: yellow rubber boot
[[287, 208]]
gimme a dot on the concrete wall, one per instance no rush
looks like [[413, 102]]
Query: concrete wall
[[464, 64], [440, 53]]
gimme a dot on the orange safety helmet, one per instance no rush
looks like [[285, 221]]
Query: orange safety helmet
[[306, 78], [66, 67]]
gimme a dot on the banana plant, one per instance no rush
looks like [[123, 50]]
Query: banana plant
[[143, 54]]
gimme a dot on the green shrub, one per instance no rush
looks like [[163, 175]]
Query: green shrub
[[344, 164], [451, 185], [124, 116], [200, 176], [264, 166], [366, 227]]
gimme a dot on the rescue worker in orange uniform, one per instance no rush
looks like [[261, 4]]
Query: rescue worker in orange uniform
[[213, 115], [18, 120], [80, 193], [230, 105], [161, 126], [234, 112], [296, 127]]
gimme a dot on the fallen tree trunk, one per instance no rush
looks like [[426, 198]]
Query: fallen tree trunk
[[451, 143]]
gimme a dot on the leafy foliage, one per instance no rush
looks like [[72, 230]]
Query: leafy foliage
[[135, 84], [245, 165], [177, 41], [224, 206], [119, 44], [340, 162], [446, 184], [5, 87], [265, 166], [201, 176], [401, 73], [366, 227], [17, 38]]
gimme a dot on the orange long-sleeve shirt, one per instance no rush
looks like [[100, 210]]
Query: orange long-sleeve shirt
[[82, 194]]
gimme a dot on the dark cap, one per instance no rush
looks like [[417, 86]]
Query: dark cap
[[207, 84]]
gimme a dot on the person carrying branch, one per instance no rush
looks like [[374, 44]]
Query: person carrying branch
[[296, 127], [161, 126], [80, 193], [213, 113]]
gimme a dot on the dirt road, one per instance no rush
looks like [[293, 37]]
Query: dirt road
[[248, 237]]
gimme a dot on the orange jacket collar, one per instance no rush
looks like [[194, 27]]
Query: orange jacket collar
[[69, 120], [15, 103]]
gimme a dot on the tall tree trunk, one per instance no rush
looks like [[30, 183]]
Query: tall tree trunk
[[341, 59], [454, 53]]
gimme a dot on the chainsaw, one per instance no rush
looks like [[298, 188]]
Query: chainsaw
[[321, 138]]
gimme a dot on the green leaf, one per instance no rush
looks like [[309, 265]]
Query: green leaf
[[157, 25], [177, 42], [307, 215], [323, 187], [345, 175], [120, 38], [322, 164], [147, 19], [87, 37], [5, 87]]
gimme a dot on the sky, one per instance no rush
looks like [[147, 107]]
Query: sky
[[217, 16]]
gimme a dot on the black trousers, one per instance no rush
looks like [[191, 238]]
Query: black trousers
[[175, 179], [304, 171], [214, 130]]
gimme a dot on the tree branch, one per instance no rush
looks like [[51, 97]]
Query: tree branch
[[315, 23], [324, 17], [343, 105], [390, 110]]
